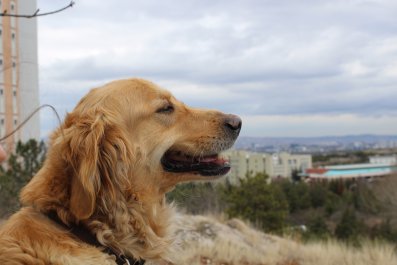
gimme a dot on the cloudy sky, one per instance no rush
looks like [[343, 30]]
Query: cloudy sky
[[288, 68]]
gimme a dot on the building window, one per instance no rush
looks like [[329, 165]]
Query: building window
[[12, 7], [13, 35], [1, 91], [13, 64], [1, 61], [15, 93], [15, 122], [2, 121], [1, 32]]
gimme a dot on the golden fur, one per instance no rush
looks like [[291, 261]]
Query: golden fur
[[103, 170]]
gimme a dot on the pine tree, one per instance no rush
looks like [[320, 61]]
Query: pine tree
[[20, 168]]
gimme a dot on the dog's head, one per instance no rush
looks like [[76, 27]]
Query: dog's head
[[133, 138]]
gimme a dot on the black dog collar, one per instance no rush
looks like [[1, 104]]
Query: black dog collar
[[84, 235]]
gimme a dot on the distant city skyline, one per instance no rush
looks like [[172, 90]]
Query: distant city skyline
[[290, 68], [316, 144]]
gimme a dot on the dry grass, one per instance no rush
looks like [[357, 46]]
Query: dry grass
[[204, 240], [330, 253]]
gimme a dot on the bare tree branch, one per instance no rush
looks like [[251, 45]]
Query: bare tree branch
[[36, 13]]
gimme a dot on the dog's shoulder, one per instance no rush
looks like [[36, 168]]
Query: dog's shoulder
[[29, 237]]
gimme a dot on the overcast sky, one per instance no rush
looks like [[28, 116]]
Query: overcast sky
[[288, 68]]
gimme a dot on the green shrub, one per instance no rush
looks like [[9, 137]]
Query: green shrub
[[297, 195], [196, 198], [318, 194], [349, 228], [257, 201], [317, 228]]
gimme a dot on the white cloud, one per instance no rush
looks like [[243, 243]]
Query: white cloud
[[356, 69], [330, 59]]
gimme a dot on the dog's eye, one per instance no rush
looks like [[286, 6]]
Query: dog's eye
[[166, 109]]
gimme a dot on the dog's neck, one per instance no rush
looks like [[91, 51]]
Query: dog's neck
[[135, 228]]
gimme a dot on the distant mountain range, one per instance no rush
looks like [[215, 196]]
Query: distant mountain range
[[249, 142]]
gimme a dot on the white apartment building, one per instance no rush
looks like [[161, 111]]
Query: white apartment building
[[19, 95], [274, 165], [388, 160]]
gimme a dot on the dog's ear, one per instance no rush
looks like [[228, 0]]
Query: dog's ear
[[94, 148]]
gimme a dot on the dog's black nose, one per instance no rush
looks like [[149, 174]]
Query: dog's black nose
[[233, 123]]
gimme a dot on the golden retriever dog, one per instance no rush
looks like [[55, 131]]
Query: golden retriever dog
[[99, 197]]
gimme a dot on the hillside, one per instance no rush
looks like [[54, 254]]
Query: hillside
[[205, 240]]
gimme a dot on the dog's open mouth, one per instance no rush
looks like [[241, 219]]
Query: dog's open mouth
[[209, 165]]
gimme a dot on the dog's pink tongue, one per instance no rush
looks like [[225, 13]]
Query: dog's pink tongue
[[209, 159], [213, 159]]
